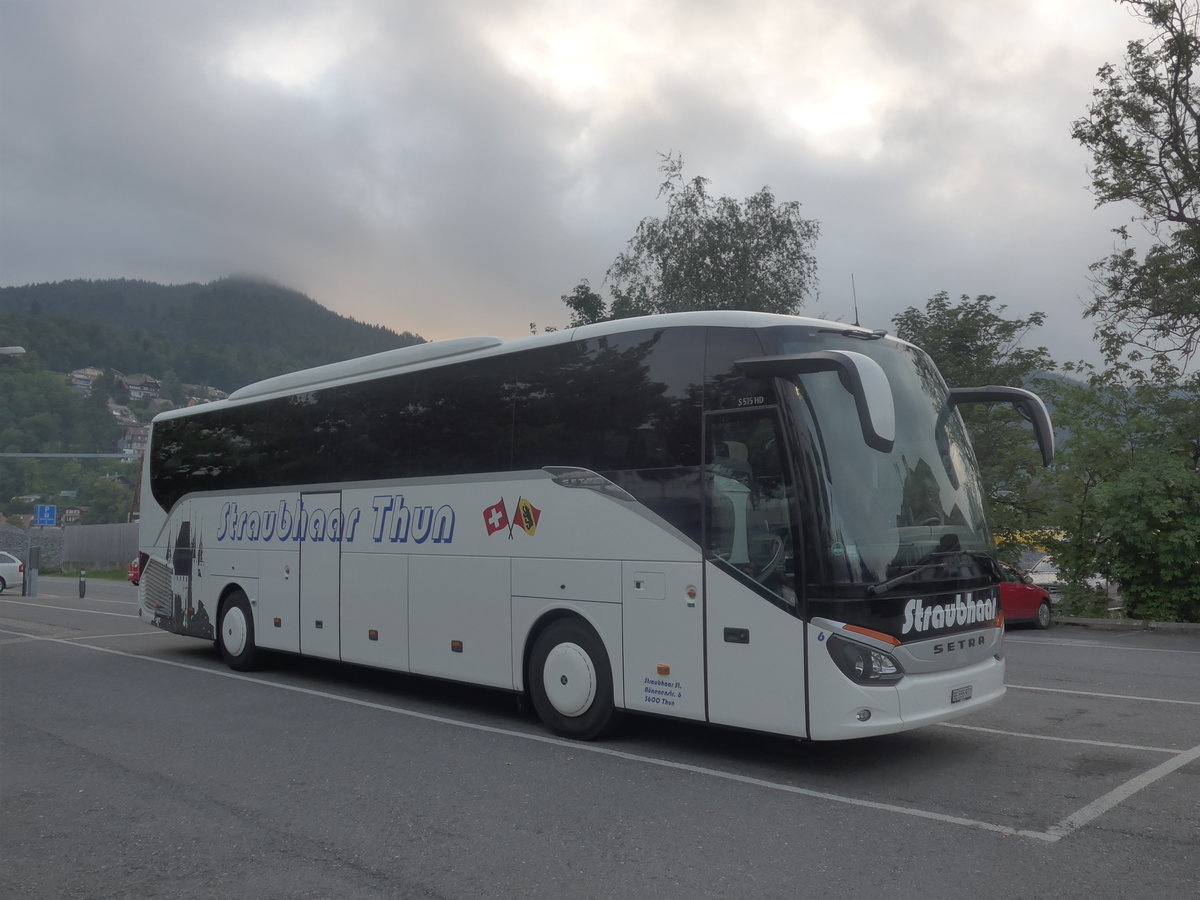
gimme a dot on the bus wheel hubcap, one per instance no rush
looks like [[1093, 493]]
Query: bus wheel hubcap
[[569, 679], [233, 632]]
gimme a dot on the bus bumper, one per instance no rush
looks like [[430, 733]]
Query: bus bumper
[[844, 710]]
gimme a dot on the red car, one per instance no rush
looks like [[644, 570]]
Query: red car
[[134, 572], [1022, 600]]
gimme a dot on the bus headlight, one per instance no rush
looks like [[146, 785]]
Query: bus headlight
[[862, 664]]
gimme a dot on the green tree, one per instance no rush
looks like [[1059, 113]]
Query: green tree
[[1130, 479], [708, 252], [1129, 483], [1143, 131], [172, 387], [974, 344], [585, 304], [107, 501], [106, 385], [45, 415]]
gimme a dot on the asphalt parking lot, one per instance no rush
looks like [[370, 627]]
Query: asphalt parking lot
[[136, 764]]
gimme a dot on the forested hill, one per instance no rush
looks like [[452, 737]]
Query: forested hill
[[224, 334]]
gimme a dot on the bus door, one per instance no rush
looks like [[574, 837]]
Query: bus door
[[662, 636], [754, 634], [320, 574]]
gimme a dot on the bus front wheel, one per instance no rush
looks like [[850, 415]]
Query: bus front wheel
[[236, 634], [570, 680]]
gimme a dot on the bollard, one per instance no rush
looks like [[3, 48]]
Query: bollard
[[82, 583]]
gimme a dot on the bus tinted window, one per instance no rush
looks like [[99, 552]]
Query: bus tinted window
[[727, 387], [459, 419], [621, 404], [625, 402]]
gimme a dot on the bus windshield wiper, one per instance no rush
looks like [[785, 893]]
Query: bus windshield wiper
[[935, 560], [859, 333]]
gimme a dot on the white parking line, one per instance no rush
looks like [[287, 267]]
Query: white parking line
[[1046, 690], [70, 596], [1101, 805], [1067, 826], [94, 612], [96, 637], [1132, 632], [1093, 645], [132, 603], [574, 746], [1056, 739]]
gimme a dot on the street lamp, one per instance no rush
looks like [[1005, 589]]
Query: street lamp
[[12, 351]]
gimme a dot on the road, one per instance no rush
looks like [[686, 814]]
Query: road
[[134, 764]]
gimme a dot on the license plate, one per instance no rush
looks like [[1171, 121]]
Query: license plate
[[960, 694]]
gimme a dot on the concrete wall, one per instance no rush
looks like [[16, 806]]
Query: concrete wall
[[98, 546], [74, 546]]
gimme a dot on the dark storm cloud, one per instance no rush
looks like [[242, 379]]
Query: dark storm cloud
[[143, 152], [435, 167]]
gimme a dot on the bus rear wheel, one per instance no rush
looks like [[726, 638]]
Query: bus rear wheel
[[235, 635], [570, 680]]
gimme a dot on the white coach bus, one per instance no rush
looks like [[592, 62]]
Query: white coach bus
[[765, 522]]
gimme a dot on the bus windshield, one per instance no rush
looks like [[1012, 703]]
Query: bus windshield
[[897, 519]]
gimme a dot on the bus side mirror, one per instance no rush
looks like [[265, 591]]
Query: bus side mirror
[[864, 378], [1027, 403]]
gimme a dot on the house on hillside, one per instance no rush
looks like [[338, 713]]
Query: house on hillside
[[122, 414], [83, 379], [134, 441], [195, 394], [142, 388]]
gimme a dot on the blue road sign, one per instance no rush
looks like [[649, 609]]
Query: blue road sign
[[46, 515]]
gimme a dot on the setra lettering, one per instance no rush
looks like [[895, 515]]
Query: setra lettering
[[954, 646]]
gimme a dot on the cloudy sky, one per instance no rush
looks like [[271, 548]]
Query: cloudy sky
[[452, 168]]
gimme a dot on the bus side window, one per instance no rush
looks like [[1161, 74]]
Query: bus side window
[[750, 499], [724, 386]]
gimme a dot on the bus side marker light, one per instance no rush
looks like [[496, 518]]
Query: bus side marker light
[[664, 670], [372, 635], [278, 623], [878, 635], [320, 623], [456, 647]]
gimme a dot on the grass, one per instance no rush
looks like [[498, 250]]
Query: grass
[[99, 574], [1078, 600]]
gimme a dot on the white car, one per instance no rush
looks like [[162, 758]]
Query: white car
[[12, 571], [1045, 575]]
